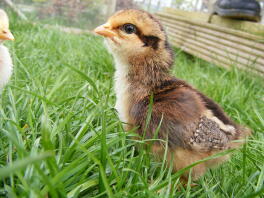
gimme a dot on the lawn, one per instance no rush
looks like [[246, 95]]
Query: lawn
[[60, 135]]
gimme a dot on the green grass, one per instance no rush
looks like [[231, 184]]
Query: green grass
[[60, 135]]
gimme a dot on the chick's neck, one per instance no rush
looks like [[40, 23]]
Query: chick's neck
[[149, 72]]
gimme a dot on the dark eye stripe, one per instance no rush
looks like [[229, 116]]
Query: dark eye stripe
[[151, 41]]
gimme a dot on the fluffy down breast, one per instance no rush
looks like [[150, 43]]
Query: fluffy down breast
[[122, 96], [5, 65]]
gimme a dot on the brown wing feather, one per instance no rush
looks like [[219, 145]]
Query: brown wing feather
[[181, 109]]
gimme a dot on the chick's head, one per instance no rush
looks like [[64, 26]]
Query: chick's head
[[134, 33], [5, 33]]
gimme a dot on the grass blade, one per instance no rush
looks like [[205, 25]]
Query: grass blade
[[20, 164]]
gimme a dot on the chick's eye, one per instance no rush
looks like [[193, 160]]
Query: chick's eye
[[129, 28]]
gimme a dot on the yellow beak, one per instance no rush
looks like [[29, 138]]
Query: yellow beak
[[104, 30], [6, 35]]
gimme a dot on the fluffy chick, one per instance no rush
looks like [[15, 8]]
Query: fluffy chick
[[195, 126], [5, 58]]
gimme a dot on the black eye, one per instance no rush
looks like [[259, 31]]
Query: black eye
[[129, 28]]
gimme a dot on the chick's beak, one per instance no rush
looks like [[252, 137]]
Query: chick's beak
[[6, 35], [104, 30]]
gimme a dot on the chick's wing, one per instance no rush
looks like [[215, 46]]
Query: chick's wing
[[181, 116]]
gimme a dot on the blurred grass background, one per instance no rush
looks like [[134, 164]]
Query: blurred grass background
[[87, 14], [60, 135]]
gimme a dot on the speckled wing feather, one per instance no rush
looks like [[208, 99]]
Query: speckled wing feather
[[208, 136]]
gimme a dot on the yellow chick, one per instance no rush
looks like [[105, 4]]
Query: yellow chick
[[6, 65]]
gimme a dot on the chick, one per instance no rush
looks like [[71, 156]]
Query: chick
[[5, 58], [194, 125]]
